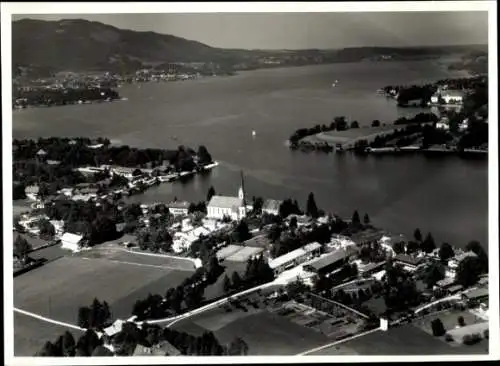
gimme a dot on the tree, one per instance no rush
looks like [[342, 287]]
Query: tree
[[438, 328], [354, 124], [311, 208], [293, 223], [258, 202], [21, 248], [412, 247], [446, 252], [428, 245], [476, 248], [417, 235], [355, 218], [242, 232], [226, 284], [461, 321], [83, 317], [434, 273], [468, 271], [48, 350], [47, 230], [204, 156], [68, 344], [236, 280], [87, 343], [211, 193], [238, 347], [366, 219], [399, 247], [376, 123]]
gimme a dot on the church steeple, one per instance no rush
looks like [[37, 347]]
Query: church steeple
[[241, 193]]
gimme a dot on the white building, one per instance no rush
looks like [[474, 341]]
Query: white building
[[232, 207], [58, 227], [32, 192], [435, 99], [452, 96], [442, 125], [178, 208], [183, 240], [455, 261], [271, 207], [71, 241], [294, 258]]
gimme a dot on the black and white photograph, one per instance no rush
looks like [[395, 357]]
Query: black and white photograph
[[223, 182]]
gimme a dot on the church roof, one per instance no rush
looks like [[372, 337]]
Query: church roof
[[225, 202]]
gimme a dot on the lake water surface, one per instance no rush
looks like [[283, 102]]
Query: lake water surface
[[446, 196]]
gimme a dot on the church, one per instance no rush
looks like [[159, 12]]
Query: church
[[232, 207]]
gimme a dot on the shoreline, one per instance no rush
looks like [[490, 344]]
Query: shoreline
[[99, 101]]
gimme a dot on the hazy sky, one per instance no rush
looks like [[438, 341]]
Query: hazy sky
[[305, 30]]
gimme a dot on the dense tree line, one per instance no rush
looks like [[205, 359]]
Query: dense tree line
[[188, 295], [50, 97], [96, 316], [148, 335], [76, 152], [257, 272]]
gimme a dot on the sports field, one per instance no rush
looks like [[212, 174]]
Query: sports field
[[30, 334], [58, 289]]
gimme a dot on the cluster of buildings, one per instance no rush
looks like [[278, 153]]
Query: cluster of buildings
[[447, 96]]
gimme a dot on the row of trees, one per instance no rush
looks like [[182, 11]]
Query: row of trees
[[148, 335], [257, 272], [189, 294]]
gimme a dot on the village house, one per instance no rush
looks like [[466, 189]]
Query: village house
[[41, 155], [71, 241], [452, 96], [58, 227], [389, 242], [271, 207], [178, 208], [182, 241], [455, 261], [443, 125], [163, 348], [410, 263], [225, 206], [68, 192], [32, 192]]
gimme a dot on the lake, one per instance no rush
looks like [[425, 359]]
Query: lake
[[446, 196]]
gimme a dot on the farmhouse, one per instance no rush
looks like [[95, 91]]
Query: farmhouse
[[453, 96], [332, 261], [271, 207], [71, 241], [294, 258], [409, 263], [178, 208], [225, 206], [162, 349]]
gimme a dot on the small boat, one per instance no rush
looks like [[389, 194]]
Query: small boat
[[254, 133]]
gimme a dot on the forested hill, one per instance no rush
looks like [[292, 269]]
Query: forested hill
[[46, 47], [81, 45]]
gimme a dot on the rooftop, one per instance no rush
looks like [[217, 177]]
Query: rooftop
[[333, 257], [71, 238], [295, 254], [477, 293], [178, 204], [225, 202], [273, 205], [408, 259]]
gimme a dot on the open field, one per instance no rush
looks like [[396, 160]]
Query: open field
[[450, 321], [264, 332], [407, 340], [58, 289], [30, 334], [120, 255], [50, 253]]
